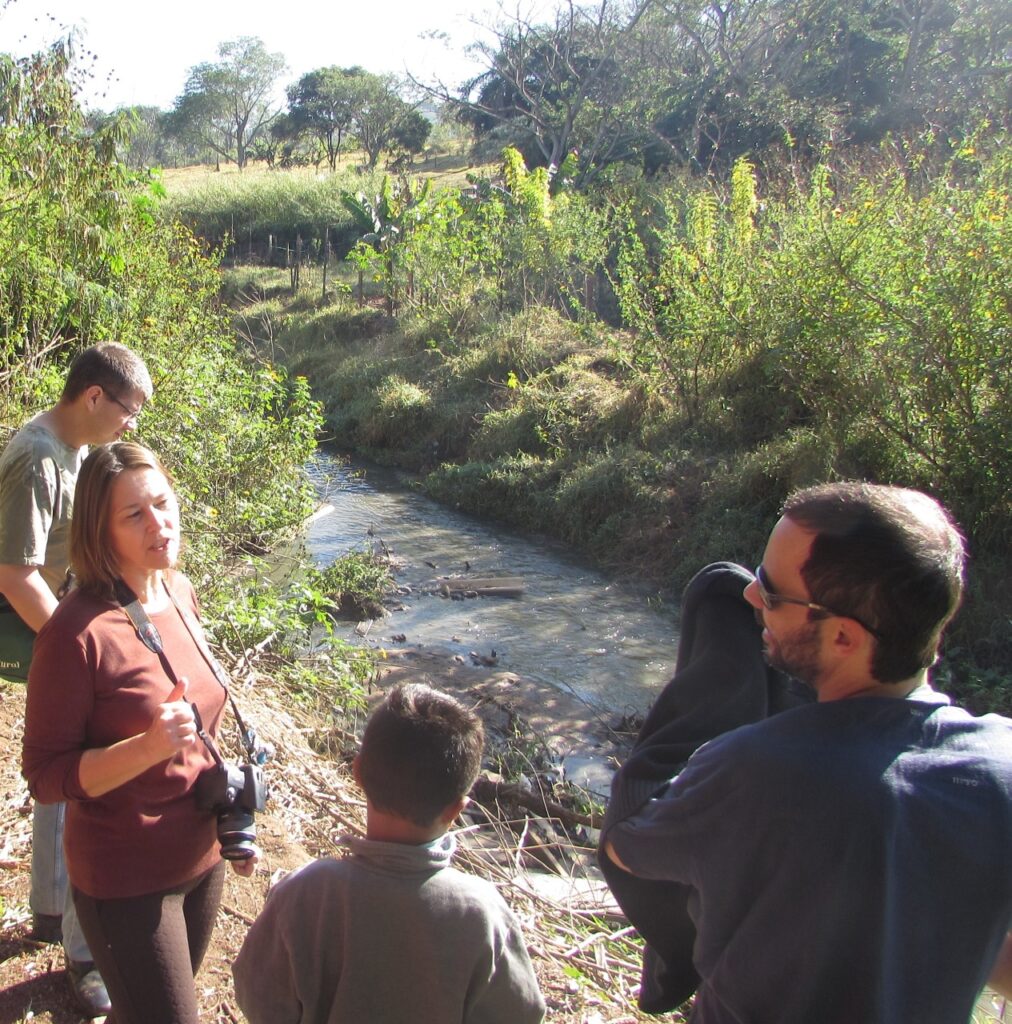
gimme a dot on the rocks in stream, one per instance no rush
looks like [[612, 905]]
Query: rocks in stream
[[457, 588]]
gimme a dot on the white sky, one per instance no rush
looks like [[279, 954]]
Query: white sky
[[143, 52]]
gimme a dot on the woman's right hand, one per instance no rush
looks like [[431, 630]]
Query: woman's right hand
[[174, 727]]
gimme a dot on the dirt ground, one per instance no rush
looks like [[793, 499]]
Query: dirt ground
[[588, 976]]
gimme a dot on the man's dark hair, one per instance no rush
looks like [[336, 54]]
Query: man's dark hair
[[111, 366], [420, 754], [891, 557]]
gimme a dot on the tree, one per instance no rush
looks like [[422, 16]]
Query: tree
[[147, 142], [272, 145], [385, 221], [741, 75], [228, 105], [64, 200], [330, 103], [952, 59], [413, 132], [572, 86], [323, 104], [379, 114]]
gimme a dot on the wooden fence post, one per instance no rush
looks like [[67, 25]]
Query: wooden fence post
[[326, 257], [297, 265]]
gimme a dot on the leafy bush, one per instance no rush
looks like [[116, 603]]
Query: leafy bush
[[513, 489], [866, 309], [507, 246], [356, 584], [292, 619], [84, 258]]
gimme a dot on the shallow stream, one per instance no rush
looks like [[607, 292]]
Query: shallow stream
[[610, 644]]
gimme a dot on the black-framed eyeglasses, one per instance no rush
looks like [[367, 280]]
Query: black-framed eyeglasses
[[132, 414], [771, 599]]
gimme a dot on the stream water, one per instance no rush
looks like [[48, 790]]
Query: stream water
[[607, 643]]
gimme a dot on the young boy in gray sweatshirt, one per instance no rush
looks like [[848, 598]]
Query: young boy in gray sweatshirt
[[392, 932]]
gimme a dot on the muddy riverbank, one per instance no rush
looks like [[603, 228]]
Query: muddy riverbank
[[585, 745]]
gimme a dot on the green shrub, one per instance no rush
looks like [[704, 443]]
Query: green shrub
[[514, 489], [84, 258], [356, 584]]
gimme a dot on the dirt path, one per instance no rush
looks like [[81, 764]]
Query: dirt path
[[585, 978]]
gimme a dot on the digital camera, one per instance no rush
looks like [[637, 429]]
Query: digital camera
[[234, 793]]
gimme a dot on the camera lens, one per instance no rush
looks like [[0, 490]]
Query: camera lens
[[236, 833]]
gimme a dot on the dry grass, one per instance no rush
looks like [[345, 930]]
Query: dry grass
[[446, 169], [585, 955]]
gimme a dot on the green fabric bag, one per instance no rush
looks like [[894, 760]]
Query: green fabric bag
[[16, 643]]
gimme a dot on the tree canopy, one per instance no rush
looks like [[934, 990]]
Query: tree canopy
[[572, 86], [747, 74], [228, 105], [699, 83], [323, 104], [331, 102]]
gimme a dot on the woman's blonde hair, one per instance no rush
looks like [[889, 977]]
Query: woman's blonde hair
[[91, 557]]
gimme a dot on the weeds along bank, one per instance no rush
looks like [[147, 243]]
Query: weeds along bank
[[83, 259], [647, 371]]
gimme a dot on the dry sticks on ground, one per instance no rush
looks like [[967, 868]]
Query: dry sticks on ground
[[568, 916]]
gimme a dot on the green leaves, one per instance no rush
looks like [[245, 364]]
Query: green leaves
[[85, 257], [227, 106], [64, 211], [387, 219], [870, 309]]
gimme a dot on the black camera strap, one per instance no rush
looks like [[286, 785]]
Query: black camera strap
[[150, 637]]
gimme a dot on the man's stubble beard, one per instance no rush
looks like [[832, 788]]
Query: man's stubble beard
[[797, 653]]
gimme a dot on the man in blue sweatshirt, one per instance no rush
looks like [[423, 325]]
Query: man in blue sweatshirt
[[835, 857]]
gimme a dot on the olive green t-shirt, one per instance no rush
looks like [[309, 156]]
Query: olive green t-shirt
[[38, 473]]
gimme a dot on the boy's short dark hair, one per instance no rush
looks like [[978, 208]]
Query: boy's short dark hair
[[420, 754], [112, 366]]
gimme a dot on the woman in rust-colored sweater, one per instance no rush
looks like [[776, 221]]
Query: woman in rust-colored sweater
[[109, 731]]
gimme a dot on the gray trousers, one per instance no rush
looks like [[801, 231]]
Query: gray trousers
[[50, 893]]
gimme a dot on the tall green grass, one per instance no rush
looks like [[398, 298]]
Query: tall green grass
[[236, 210]]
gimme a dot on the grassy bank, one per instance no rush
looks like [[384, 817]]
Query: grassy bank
[[646, 370], [544, 424]]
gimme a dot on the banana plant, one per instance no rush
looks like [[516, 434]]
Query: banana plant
[[385, 221]]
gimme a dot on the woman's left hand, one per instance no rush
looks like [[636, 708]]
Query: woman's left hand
[[248, 866]]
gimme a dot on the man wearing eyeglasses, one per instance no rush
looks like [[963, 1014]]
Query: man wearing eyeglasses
[[103, 396], [837, 857]]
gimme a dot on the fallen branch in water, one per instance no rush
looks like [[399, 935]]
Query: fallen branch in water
[[487, 792]]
